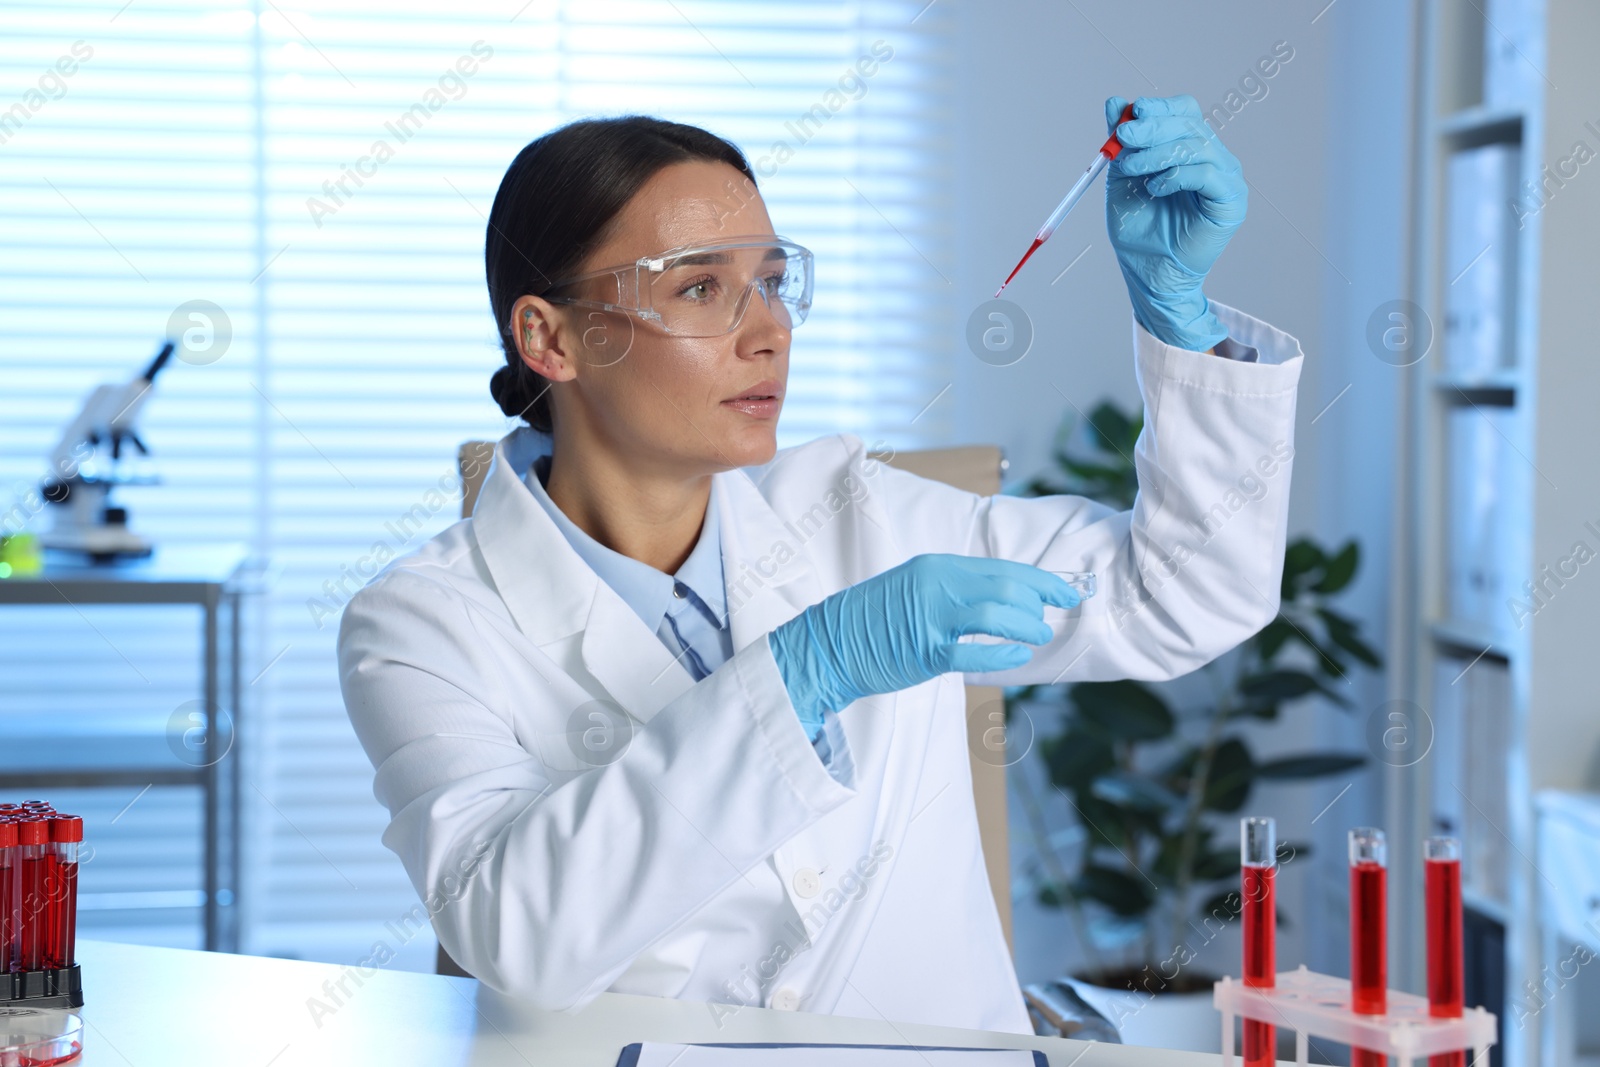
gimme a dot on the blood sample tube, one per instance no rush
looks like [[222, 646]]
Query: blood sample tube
[[33, 837], [1369, 965], [1446, 981], [10, 913], [66, 833], [1258, 849]]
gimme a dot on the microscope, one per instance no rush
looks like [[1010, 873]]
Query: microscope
[[80, 482]]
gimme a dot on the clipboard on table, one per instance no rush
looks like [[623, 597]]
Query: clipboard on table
[[679, 1053]]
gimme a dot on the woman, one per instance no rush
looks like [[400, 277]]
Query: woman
[[674, 713]]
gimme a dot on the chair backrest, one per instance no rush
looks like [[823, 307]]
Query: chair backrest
[[977, 469]]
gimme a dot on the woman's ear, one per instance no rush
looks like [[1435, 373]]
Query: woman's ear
[[541, 338]]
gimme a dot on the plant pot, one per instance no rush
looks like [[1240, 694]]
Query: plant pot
[[1172, 1019]]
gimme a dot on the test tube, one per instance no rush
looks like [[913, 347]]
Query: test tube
[[1369, 977], [33, 837], [10, 911], [1258, 854], [1446, 980], [66, 833]]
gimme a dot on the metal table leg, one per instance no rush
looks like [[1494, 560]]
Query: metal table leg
[[213, 739]]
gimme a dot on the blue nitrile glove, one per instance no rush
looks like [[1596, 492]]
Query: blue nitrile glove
[[1174, 195], [899, 628]]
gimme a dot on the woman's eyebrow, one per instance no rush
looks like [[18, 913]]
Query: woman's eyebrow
[[699, 258]]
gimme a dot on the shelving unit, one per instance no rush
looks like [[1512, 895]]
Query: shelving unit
[[1549, 724]]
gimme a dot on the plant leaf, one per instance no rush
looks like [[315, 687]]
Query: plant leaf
[[1271, 638], [1125, 710], [1135, 791], [1272, 687], [1339, 569], [1342, 632], [1217, 863], [1312, 766], [1075, 758], [1125, 894], [1232, 775], [1102, 820], [1223, 907], [1300, 558], [1114, 431]]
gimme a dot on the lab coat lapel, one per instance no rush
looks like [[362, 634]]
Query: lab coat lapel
[[552, 593]]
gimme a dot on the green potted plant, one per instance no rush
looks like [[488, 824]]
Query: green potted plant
[[1153, 869]]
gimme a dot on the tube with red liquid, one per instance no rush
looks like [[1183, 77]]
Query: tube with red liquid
[[1369, 963], [1446, 978], [1102, 159], [33, 837], [66, 834], [1258, 848], [10, 906]]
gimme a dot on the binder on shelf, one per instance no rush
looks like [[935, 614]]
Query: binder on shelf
[[1513, 53], [1480, 260], [1447, 752], [1486, 815], [1482, 543], [1470, 757]]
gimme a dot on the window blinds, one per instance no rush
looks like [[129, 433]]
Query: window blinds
[[218, 166]]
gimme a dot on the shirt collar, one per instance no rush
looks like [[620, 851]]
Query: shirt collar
[[646, 590]]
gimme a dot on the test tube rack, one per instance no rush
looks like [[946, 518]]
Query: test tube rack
[[1318, 1005], [55, 987]]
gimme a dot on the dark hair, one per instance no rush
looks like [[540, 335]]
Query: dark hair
[[557, 201]]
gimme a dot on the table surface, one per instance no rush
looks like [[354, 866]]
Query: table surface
[[163, 1007], [189, 564]]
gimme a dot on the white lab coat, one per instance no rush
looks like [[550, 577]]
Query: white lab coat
[[685, 868]]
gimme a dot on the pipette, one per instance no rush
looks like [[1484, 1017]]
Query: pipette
[[1102, 159]]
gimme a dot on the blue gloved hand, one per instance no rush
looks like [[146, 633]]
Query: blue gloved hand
[[1174, 195], [899, 628]]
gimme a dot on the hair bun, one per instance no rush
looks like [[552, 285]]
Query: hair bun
[[503, 387]]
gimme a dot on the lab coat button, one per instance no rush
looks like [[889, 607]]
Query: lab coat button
[[786, 1000], [806, 882]]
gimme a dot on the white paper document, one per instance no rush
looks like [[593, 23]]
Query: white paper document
[[669, 1054]]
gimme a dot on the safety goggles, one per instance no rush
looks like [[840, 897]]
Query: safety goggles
[[701, 291]]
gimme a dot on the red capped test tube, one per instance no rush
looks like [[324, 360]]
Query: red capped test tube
[[10, 902], [1369, 961], [1441, 858], [66, 834], [1258, 859], [33, 837]]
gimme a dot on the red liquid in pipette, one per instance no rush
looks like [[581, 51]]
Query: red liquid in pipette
[[1031, 250], [1260, 958], [1442, 885], [1369, 978]]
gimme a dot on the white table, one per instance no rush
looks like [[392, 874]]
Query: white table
[[161, 1007]]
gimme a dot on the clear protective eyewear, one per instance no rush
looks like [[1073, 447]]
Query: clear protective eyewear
[[702, 291]]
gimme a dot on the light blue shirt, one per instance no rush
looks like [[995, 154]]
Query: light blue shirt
[[688, 610]]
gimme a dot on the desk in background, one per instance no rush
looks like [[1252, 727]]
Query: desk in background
[[207, 576]]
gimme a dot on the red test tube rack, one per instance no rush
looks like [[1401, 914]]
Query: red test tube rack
[[1361, 1012], [39, 907]]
